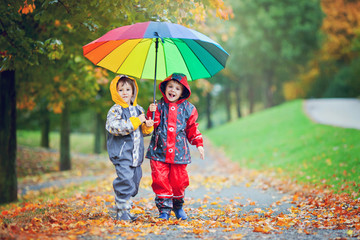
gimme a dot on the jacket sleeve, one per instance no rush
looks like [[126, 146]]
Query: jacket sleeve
[[192, 132], [157, 116], [117, 126], [146, 130]]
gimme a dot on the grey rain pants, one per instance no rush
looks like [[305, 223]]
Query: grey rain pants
[[126, 184]]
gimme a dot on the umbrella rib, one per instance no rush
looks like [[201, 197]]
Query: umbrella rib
[[141, 41], [183, 56], [165, 62], [214, 56], [102, 43], [202, 59], [196, 57], [147, 53], [210, 54]]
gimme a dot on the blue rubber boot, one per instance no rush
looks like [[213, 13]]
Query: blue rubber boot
[[164, 205], [180, 214], [178, 208], [164, 215]]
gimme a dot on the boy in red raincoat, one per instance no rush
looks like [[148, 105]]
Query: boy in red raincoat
[[174, 126]]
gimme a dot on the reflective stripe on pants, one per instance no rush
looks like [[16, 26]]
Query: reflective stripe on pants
[[169, 180]]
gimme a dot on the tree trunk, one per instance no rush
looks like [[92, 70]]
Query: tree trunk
[[208, 111], [99, 130], [269, 92], [251, 96], [45, 125], [238, 99], [65, 161], [227, 104], [8, 178]]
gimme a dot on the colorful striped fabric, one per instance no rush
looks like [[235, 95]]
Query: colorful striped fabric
[[130, 50]]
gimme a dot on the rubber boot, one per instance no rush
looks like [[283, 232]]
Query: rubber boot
[[178, 209], [164, 205], [125, 215], [123, 211], [164, 215], [180, 214]]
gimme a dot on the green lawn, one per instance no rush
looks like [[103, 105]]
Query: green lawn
[[284, 139], [79, 142]]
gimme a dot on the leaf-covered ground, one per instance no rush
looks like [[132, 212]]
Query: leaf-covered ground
[[223, 201]]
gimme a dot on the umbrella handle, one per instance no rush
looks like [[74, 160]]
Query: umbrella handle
[[156, 53]]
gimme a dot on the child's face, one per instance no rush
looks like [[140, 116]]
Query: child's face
[[173, 91], [125, 91]]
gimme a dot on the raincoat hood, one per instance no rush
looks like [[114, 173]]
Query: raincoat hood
[[182, 79], [115, 95]]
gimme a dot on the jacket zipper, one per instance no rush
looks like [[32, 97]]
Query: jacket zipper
[[185, 146], [122, 147], [156, 140]]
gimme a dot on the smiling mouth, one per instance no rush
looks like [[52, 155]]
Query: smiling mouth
[[171, 95]]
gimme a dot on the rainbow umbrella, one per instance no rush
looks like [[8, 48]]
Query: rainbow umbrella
[[151, 50]]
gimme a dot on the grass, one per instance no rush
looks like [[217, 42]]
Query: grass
[[37, 165], [284, 139], [79, 142]]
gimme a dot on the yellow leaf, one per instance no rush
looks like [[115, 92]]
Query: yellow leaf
[[137, 210], [328, 161], [237, 236], [257, 210]]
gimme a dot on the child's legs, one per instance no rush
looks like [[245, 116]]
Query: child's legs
[[179, 181], [125, 184], [160, 176], [137, 178], [161, 186]]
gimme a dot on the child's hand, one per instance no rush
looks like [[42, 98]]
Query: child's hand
[[149, 123], [142, 118], [153, 107], [202, 152]]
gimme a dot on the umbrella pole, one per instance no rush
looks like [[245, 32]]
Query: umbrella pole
[[156, 53]]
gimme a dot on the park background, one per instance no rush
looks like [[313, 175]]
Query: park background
[[281, 52]]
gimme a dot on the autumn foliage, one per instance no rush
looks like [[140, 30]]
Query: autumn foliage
[[87, 211], [342, 27], [341, 30], [27, 8]]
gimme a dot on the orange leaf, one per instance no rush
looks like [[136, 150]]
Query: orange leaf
[[237, 236], [295, 197], [4, 213], [262, 230]]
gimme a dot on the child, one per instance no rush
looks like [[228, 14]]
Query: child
[[174, 123], [126, 125]]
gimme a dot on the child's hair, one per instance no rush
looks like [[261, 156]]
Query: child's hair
[[123, 80]]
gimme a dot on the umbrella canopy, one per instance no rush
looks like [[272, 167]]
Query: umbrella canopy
[[151, 50]]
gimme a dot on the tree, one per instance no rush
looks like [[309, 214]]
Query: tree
[[274, 38], [47, 37], [8, 180], [333, 71]]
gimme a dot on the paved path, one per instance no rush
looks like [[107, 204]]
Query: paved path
[[220, 192], [339, 112]]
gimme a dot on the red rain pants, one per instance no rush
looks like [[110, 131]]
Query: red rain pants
[[169, 180]]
